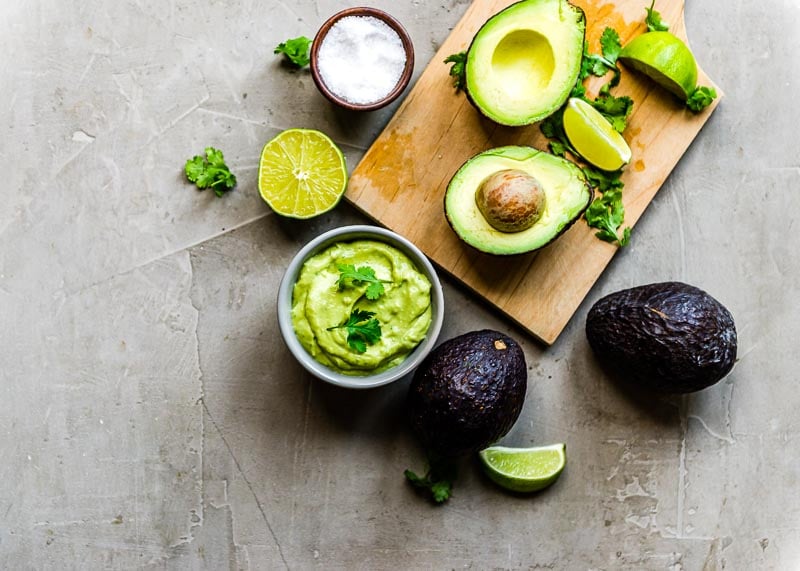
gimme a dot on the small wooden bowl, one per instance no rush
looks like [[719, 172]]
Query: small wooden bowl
[[405, 77]]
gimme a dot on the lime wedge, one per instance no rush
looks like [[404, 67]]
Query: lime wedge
[[665, 59], [524, 469], [302, 173], [593, 137]]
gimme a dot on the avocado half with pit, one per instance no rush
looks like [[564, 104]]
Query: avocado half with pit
[[524, 61], [513, 200]]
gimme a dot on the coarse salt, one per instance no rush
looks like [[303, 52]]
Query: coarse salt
[[361, 59]]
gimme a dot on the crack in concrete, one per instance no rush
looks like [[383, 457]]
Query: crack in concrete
[[248, 484], [682, 472]]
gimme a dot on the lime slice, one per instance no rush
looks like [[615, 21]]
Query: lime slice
[[524, 469], [593, 137], [302, 173], [665, 59]]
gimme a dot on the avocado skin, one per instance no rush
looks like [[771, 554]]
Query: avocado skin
[[669, 337], [467, 393]]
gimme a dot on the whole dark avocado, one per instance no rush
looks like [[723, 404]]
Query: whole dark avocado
[[468, 393], [669, 337]]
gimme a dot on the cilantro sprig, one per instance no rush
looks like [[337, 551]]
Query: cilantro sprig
[[438, 480], [358, 276], [362, 329], [701, 98], [606, 212], [210, 172], [458, 71], [653, 20], [296, 50]]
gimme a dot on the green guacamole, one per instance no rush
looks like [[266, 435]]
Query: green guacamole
[[404, 310]]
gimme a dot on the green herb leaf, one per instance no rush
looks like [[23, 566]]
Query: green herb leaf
[[362, 329], [610, 44], [438, 480], [606, 213], [458, 71], [553, 129], [210, 172], [654, 21], [296, 50], [364, 274], [701, 98], [615, 109], [603, 180]]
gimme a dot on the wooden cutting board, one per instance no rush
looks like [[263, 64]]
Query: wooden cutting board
[[401, 180]]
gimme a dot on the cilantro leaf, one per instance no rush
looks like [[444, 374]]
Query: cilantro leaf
[[458, 71], [615, 109], [210, 172], [438, 480], [603, 180], [701, 98], [357, 276], [296, 50], [607, 213], [654, 21], [610, 44], [553, 129], [362, 329]]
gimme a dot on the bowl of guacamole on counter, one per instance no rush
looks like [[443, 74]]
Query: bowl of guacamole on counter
[[360, 306]]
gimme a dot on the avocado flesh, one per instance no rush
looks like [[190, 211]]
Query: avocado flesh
[[567, 195], [468, 393], [669, 337], [524, 61]]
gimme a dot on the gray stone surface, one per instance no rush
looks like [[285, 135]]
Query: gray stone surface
[[151, 418]]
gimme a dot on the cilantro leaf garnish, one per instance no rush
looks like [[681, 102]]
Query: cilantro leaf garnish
[[701, 98], [607, 214], [610, 44], [363, 274], [296, 50], [210, 172], [438, 480], [654, 21], [458, 71], [603, 180], [362, 329], [615, 109]]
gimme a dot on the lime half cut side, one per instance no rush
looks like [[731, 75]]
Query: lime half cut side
[[524, 469], [664, 58], [593, 137], [302, 173]]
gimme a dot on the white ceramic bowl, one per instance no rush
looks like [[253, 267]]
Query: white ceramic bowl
[[347, 234]]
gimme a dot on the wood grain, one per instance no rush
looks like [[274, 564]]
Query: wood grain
[[401, 180]]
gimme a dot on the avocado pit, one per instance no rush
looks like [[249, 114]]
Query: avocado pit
[[511, 200]]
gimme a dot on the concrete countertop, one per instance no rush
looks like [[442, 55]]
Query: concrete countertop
[[150, 416]]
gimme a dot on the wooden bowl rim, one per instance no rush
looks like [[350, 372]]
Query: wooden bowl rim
[[392, 22]]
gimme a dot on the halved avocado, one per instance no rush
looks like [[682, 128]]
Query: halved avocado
[[566, 196], [524, 61]]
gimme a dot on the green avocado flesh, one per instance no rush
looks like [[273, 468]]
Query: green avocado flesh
[[567, 195], [524, 61]]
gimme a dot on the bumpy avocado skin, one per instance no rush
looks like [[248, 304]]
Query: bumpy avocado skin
[[669, 337], [468, 393]]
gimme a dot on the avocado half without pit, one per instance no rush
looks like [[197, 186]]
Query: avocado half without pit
[[524, 61], [513, 200]]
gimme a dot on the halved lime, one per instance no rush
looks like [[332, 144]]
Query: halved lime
[[302, 173], [593, 137], [524, 469], [665, 59]]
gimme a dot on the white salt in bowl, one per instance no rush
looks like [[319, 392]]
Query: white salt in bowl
[[362, 59]]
